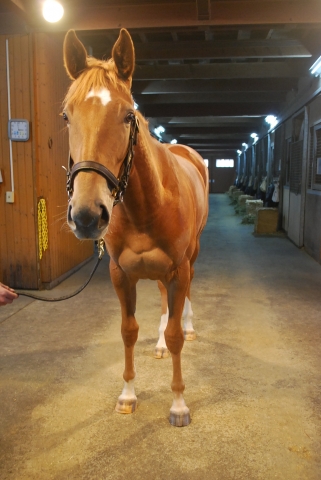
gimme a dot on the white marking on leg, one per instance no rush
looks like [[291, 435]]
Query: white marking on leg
[[103, 94], [179, 406], [163, 324], [188, 315], [128, 392]]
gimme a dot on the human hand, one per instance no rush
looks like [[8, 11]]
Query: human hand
[[7, 295]]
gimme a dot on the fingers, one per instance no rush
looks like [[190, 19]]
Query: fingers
[[7, 295]]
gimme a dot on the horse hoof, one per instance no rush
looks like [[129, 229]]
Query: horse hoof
[[189, 335], [179, 420], [161, 352], [126, 406]]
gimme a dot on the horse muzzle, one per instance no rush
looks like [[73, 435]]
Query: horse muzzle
[[88, 223]]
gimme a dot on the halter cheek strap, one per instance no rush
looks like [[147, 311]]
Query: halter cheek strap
[[118, 185]]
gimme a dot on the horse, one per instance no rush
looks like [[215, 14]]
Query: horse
[[148, 201]]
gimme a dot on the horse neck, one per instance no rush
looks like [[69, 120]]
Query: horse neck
[[145, 188]]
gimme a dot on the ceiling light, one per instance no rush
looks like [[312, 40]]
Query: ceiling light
[[159, 130], [272, 120], [316, 68], [52, 11], [255, 137]]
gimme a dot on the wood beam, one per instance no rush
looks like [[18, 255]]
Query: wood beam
[[287, 69], [211, 97], [183, 130], [221, 49], [206, 109], [147, 87], [234, 12], [203, 8]]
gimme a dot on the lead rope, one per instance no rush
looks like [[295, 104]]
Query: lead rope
[[65, 297]]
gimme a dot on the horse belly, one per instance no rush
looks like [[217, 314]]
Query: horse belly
[[153, 264]]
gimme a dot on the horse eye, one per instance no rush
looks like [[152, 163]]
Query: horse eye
[[65, 116], [129, 117]]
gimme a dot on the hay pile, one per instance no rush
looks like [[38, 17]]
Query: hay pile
[[240, 208], [266, 221], [251, 206]]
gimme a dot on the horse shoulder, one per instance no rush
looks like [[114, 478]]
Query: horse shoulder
[[187, 153]]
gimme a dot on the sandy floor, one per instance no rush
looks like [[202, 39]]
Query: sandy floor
[[252, 376]]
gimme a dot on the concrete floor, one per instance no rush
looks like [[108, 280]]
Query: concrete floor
[[252, 376]]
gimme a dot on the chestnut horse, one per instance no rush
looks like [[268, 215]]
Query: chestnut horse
[[150, 211]]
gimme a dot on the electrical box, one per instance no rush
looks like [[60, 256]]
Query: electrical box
[[9, 197]]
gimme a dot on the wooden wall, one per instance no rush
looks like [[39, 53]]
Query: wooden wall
[[18, 246], [50, 85], [38, 84]]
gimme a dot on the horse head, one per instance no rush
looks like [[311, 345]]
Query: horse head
[[99, 112]]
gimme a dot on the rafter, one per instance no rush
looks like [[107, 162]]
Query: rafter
[[222, 49], [222, 70], [233, 12], [214, 85], [228, 109]]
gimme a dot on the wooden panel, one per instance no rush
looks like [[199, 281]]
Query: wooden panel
[[17, 220], [50, 81]]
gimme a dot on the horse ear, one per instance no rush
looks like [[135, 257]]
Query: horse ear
[[123, 55], [75, 55]]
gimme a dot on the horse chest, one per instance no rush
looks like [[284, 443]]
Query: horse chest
[[147, 264]]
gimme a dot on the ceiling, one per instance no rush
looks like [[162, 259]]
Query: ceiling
[[208, 72]]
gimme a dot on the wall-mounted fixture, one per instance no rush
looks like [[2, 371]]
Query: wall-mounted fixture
[[245, 146], [239, 152], [272, 121], [255, 137]]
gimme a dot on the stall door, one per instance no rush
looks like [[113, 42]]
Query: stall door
[[295, 219]]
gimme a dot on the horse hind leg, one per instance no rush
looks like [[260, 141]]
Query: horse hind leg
[[161, 350], [189, 332]]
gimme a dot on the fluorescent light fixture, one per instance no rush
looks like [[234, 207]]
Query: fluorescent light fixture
[[52, 11], [174, 141], [316, 68], [272, 120], [159, 130], [239, 152]]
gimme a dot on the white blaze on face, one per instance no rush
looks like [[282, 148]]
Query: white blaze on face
[[103, 94]]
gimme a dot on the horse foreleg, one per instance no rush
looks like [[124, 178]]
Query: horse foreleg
[[126, 291], [174, 336], [161, 350]]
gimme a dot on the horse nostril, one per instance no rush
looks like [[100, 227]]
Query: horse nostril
[[104, 217]]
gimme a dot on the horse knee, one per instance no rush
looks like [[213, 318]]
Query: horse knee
[[129, 333], [174, 340]]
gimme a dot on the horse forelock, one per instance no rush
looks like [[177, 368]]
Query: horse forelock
[[98, 74]]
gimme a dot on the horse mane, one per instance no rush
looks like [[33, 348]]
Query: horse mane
[[99, 73]]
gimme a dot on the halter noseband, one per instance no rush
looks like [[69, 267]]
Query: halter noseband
[[118, 185]]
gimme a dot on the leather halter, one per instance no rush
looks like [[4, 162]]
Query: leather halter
[[118, 185]]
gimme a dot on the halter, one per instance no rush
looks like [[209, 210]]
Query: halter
[[118, 185]]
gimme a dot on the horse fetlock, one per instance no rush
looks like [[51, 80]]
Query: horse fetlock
[[127, 401]]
